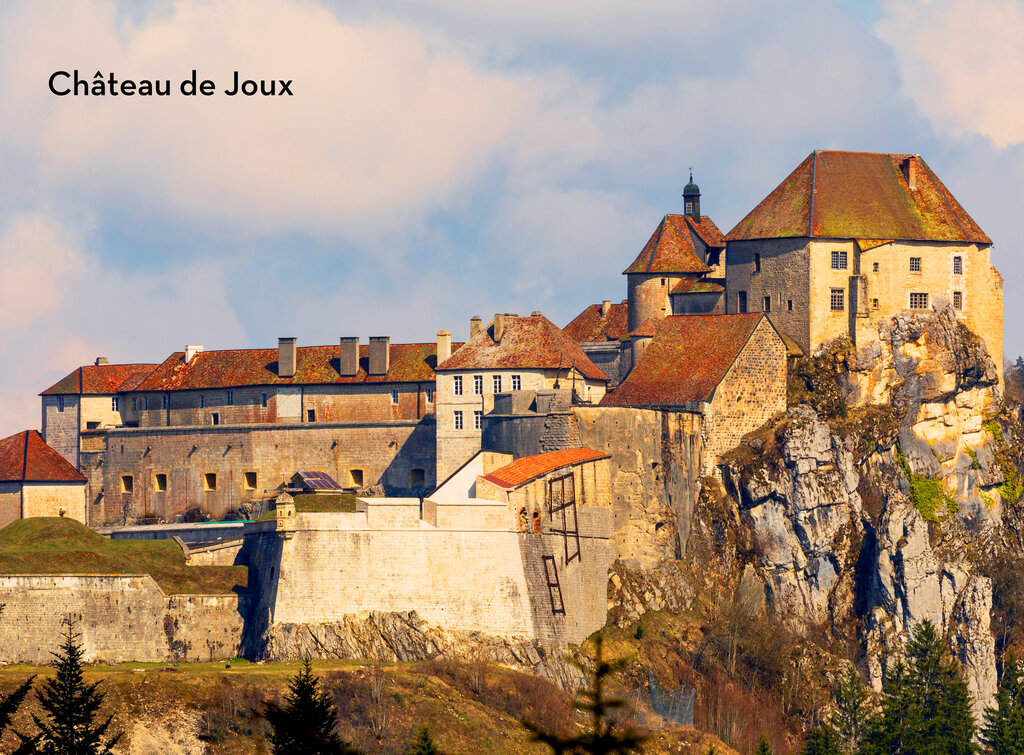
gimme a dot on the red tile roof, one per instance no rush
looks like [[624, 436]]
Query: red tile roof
[[686, 360], [527, 343], [647, 328], [671, 248], [103, 378], [697, 286], [859, 195], [25, 457], [409, 363], [529, 468], [590, 325]]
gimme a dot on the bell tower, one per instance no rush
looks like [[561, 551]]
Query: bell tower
[[691, 198]]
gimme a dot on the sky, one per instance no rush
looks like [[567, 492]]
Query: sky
[[440, 159]]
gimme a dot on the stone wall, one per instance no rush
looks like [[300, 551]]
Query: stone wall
[[19, 500], [121, 618], [648, 297], [60, 428], [527, 423]]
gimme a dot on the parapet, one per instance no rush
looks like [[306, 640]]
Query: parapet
[[390, 513], [468, 514]]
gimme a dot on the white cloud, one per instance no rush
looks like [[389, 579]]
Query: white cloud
[[961, 62]]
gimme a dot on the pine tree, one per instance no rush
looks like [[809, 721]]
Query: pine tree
[[305, 726], [763, 746], [69, 726], [1003, 730], [823, 741], [850, 719], [422, 744]]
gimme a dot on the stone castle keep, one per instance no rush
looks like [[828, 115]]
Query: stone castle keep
[[536, 453]]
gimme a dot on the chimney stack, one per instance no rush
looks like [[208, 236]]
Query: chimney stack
[[100, 361], [536, 313], [348, 364], [499, 327], [286, 357], [606, 307], [475, 325], [191, 351], [380, 355], [444, 345], [910, 171]]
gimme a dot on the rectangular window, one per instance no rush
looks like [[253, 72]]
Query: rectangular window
[[741, 302], [458, 420], [215, 418], [768, 303], [202, 401], [430, 395], [394, 397], [874, 267], [836, 300], [135, 404], [263, 400], [160, 483], [915, 264], [230, 398], [457, 385], [92, 425], [165, 402], [789, 305], [478, 385], [757, 263], [127, 483], [417, 478], [958, 266], [210, 481], [356, 477], [874, 303], [517, 382], [249, 481], [60, 403], [918, 301], [958, 300], [838, 260], [496, 379], [115, 404], [145, 403], [311, 415], [478, 420]]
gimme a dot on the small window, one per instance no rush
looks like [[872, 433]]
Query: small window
[[135, 404], [789, 305], [127, 483], [874, 303], [757, 263], [768, 303], [394, 397], [457, 385], [160, 482], [430, 395], [311, 415], [958, 300], [417, 478], [165, 402], [145, 403], [838, 260], [229, 399], [689, 208], [874, 267], [249, 481], [115, 404], [263, 400], [210, 481], [918, 301], [478, 420], [60, 403], [478, 385], [741, 302], [664, 281], [496, 380], [837, 300], [215, 418], [202, 401], [356, 477], [517, 382], [958, 266], [915, 264], [458, 420]]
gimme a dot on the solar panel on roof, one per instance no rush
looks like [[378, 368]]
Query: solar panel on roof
[[317, 480]]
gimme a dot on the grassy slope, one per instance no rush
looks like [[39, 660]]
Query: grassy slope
[[63, 546]]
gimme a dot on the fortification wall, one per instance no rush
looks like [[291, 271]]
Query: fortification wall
[[121, 618]]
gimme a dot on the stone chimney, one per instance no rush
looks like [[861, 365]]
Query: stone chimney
[[475, 325], [536, 313], [286, 357], [348, 364], [910, 171], [499, 327], [100, 361], [191, 351], [606, 307], [380, 355], [444, 345]]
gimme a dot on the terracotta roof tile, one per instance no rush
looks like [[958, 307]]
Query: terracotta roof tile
[[527, 343], [707, 231], [685, 361], [589, 325], [697, 286], [859, 195], [647, 328], [671, 249], [408, 363], [103, 378], [529, 468], [25, 457]]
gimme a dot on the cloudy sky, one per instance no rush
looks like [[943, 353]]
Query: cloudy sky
[[444, 158]]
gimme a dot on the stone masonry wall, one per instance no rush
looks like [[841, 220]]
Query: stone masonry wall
[[55, 499], [121, 618], [60, 428]]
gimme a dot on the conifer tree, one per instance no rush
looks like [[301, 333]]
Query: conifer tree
[[71, 707], [763, 746], [823, 741], [1003, 730], [852, 713], [422, 744], [306, 724]]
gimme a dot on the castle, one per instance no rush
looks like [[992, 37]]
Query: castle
[[640, 397]]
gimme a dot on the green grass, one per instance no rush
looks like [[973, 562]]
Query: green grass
[[311, 503], [927, 493], [55, 545]]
